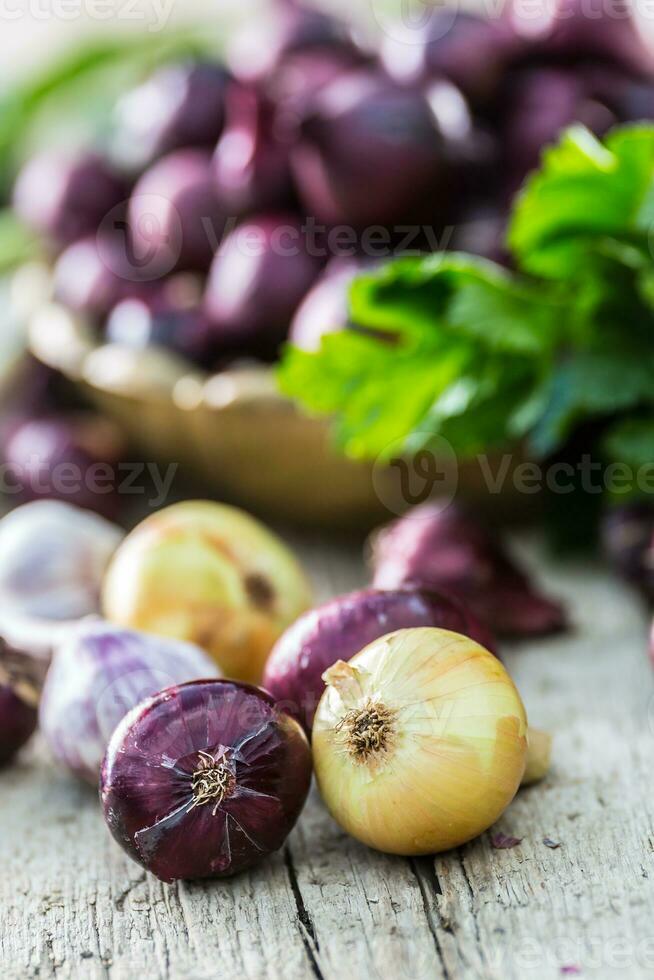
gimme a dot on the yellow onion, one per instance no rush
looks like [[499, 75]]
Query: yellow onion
[[419, 742], [211, 575]]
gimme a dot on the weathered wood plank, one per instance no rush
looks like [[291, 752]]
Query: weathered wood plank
[[535, 911], [72, 906]]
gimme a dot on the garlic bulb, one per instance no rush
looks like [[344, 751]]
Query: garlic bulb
[[52, 560], [419, 742]]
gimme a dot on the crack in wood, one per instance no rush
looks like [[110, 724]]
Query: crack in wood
[[307, 930], [106, 957], [473, 909], [425, 874]]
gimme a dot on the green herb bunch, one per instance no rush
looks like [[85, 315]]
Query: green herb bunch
[[455, 346]]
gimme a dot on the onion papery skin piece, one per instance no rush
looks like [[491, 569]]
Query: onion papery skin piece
[[455, 747], [97, 676], [342, 627], [147, 779]]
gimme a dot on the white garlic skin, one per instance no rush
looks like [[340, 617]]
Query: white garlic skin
[[53, 557], [98, 674]]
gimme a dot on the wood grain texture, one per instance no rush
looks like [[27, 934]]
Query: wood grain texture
[[72, 906]]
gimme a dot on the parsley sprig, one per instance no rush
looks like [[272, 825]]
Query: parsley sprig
[[456, 346]]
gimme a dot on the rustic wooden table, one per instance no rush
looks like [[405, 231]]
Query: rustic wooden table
[[73, 906]]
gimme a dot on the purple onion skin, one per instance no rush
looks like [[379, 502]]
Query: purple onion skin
[[442, 547], [178, 106], [55, 458], [17, 723], [372, 152], [344, 626], [257, 281], [65, 198], [147, 780], [627, 535], [175, 218], [97, 676], [251, 163]]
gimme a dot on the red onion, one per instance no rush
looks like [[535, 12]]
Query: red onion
[[264, 44], [93, 275], [99, 674], [59, 457], [542, 102], [17, 723], [178, 106], [204, 780], [572, 30], [471, 51], [442, 547], [341, 628], [258, 278], [175, 218], [373, 152], [251, 165], [301, 75], [53, 558], [19, 686], [66, 196]]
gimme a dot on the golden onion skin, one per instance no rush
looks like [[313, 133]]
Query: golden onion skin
[[453, 732], [212, 575]]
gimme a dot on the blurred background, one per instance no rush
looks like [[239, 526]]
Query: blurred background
[[142, 143]]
